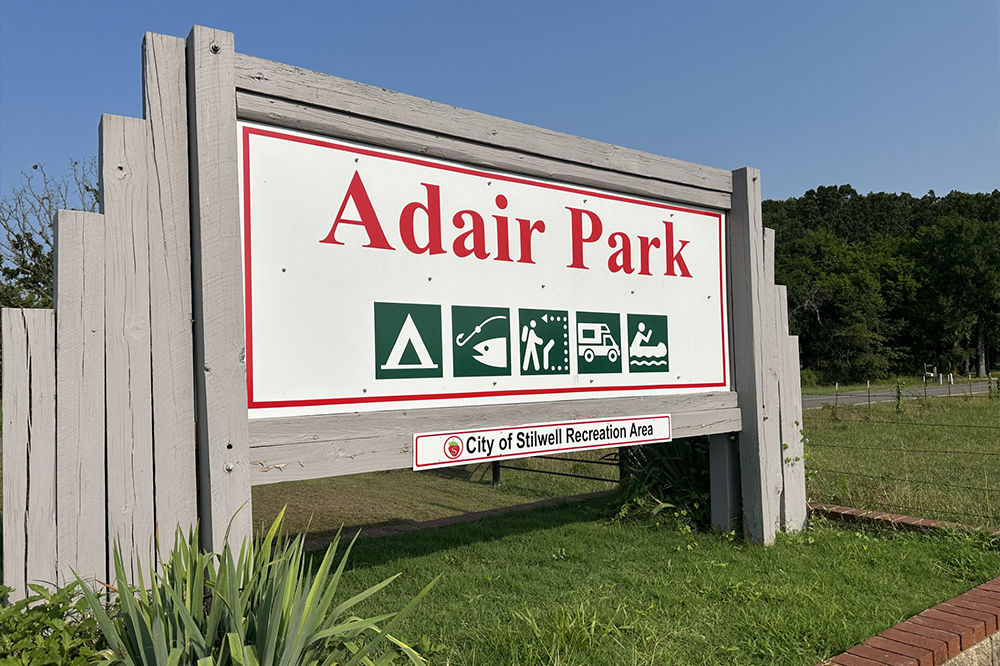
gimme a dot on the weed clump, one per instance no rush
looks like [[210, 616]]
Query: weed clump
[[666, 483]]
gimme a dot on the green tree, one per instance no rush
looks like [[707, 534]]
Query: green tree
[[27, 217]]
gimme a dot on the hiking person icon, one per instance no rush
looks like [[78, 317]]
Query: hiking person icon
[[531, 341], [544, 342]]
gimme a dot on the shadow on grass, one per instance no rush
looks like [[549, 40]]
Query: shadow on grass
[[384, 550]]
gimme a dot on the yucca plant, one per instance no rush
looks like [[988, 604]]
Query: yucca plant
[[266, 607]]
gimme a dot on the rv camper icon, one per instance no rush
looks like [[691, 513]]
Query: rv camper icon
[[595, 339]]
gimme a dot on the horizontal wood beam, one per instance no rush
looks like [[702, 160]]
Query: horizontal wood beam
[[330, 92], [343, 125], [286, 449]]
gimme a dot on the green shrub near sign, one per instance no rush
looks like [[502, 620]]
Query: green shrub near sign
[[49, 628]]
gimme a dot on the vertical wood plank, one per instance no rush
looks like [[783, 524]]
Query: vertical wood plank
[[129, 450], [172, 344], [80, 465], [793, 466], [772, 352], [16, 416], [746, 254], [223, 425], [41, 521]]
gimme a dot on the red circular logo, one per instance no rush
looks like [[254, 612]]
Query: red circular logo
[[453, 447]]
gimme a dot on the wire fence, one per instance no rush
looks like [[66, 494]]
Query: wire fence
[[927, 458]]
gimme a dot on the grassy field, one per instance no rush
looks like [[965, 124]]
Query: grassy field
[[939, 459], [567, 586]]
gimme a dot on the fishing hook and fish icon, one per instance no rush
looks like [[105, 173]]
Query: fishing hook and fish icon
[[492, 352]]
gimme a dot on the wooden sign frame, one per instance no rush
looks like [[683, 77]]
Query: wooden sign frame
[[239, 452], [152, 287]]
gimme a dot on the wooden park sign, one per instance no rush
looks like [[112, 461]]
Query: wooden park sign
[[376, 281]]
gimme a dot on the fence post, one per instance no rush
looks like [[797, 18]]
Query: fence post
[[128, 376], [172, 344], [223, 425], [759, 445], [29, 437], [81, 498]]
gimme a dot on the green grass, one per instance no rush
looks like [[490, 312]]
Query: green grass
[[403, 496], [939, 459], [566, 586]]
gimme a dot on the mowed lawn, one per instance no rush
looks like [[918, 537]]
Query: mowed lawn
[[565, 585], [937, 459]]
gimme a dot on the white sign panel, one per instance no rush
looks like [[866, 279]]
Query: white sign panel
[[380, 280], [473, 446]]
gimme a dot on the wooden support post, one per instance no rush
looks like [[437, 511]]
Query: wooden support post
[[793, 496], [29, 437], [81, 517], [128, 377], [165, 111], [724, 468], [760, 467], [496, 472], [223, 428]]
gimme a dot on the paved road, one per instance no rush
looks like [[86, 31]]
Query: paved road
[[886, 395]]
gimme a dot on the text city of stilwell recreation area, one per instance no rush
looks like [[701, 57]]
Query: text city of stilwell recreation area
[[532, 439]]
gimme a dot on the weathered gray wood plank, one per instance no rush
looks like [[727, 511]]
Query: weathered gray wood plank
[[315, 460], [793, 507], [41, 522], [772, 353], [354, 128], [336, 427], [333, 445], [330, 92], [29, 470], [79, 299], [224, 463], [747, 304], [172, 342], [123, 157], [16, 416]]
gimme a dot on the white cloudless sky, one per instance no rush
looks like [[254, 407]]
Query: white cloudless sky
[[893, 95]]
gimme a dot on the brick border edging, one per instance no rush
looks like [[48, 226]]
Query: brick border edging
[[849, 515], [322, 543], [939, 633]]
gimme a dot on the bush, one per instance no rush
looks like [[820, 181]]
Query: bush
[[54, 628], [670, 476], [268, 606], [809, 377]]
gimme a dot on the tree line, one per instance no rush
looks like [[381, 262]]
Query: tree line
[[885, 284], [878, 284]]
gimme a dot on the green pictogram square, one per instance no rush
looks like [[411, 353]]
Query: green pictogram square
[[407, 341], [598, 342], [480, 341], [647, 349], [544, 336]]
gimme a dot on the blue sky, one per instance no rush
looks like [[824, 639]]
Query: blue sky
[[894, 95]]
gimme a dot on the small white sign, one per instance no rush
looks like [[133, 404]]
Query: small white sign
[[447, 449]]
